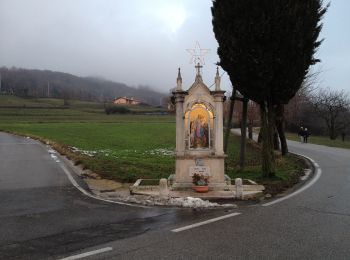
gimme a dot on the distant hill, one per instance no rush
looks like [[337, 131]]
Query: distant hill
[[46, 83]]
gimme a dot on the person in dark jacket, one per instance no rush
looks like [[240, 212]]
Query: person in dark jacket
[[301, 134], [306, 135]]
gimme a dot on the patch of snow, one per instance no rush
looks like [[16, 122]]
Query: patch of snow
[[85, 152], [160, 151], [190, 202], [122, 153], [186, 202], [306, 174], [101, 152]]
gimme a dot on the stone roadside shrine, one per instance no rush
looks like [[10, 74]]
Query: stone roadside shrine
[[199, 144], [199, 133]]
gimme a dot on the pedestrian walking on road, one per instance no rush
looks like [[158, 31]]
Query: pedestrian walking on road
[[301, 134], [306, 135]]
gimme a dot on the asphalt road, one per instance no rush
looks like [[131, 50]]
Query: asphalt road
[[314, 224], [43, 216]]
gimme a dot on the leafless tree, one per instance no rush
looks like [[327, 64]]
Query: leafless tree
[[332, 106], [299, 110]]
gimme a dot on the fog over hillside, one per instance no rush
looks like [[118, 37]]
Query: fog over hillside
[[46, 83]]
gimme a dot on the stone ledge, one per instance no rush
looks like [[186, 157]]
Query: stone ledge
[[200, 156], [210, 195], [225, 191]]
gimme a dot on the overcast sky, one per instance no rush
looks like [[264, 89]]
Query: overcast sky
[[138, 42]]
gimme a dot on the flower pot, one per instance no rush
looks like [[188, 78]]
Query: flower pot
[[201, 189]]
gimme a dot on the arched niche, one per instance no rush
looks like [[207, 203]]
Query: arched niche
[[199, 126]]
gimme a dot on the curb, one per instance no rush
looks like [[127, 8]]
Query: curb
[[312, 179], [298, 187], [76, 181], [73, 176], [82, 186]]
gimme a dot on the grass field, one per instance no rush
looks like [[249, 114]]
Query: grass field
[[15, 110], [123, 147], [124, 151]]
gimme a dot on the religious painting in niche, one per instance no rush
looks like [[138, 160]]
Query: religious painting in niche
[[199, 127]]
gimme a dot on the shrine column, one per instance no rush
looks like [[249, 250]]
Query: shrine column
[[180, 123], [179, 95], [218, 99]]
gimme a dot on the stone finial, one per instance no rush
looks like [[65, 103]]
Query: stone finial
[[198, 74], [179, 81], [239, 188], [163, 189], [217, 80]]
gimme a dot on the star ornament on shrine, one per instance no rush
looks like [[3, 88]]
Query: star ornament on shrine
[[197, 54]]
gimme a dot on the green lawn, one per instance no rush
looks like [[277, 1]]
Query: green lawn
[[124, 151]]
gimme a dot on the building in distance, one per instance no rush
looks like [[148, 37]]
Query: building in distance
[[126, 101]]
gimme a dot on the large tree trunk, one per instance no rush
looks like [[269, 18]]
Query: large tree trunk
[[243, 133], [229, 121], [260, 135], [280, 125], [267, 130], [250, 130], [333, 133], [276, 142]]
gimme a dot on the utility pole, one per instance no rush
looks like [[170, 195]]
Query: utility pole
[[0, 84], [48, 89]]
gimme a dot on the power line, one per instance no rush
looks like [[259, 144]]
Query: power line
[[220, 77]]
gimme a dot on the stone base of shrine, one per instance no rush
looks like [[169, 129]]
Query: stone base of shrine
[[182, 186], [212, 166]]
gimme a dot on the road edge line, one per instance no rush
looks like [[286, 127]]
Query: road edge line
[[204, 222], [317, 175]]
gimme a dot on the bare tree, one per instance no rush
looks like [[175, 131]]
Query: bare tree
[[332, 106]]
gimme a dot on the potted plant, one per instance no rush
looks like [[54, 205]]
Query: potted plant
[[200, 182]]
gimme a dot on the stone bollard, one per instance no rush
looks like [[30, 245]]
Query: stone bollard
[[163, 189], [239, 188]]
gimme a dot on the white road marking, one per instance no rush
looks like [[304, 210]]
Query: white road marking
[[308, 185], [205, 222], [99, 251], [18, 144]]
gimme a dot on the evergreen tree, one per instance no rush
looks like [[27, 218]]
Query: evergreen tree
[[266, 47]]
